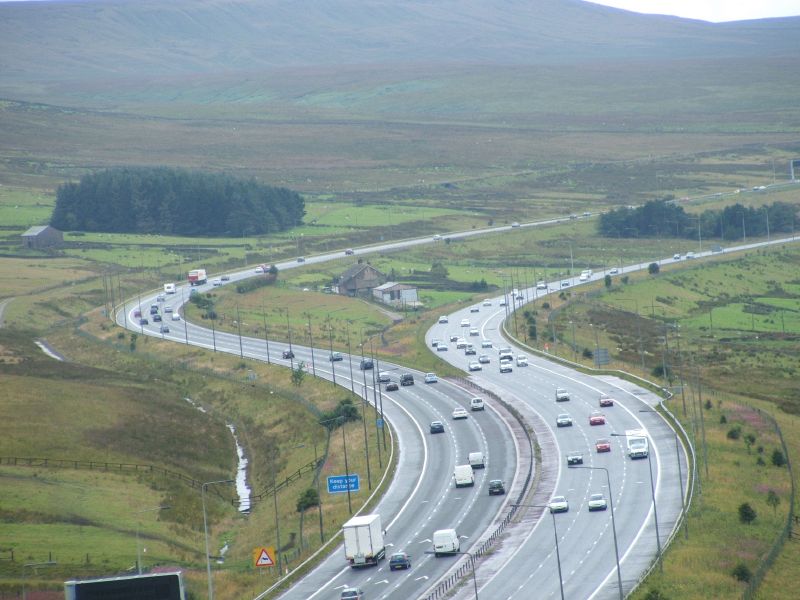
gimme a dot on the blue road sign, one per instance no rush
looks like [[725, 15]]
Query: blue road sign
[[379, 423], [338, 484]]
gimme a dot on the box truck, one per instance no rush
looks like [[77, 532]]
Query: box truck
[[463, 476], [197, 277], [638, 446], [363, 541]]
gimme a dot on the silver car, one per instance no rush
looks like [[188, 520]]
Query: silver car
[[597, 502]]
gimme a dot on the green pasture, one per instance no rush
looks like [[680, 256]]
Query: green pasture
[[701, 567], [22, 207]]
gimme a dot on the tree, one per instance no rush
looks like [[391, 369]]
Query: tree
[[299, 374], [653, 268], [607, 281], [749, 440], [773, 500], [778, 459], [746, 513], [307, 499], [742, 573]]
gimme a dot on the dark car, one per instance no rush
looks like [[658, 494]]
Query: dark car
[[406, 379], [392, 387], [153, 310], [165, 329], [366, 364], [496, 488], [437, 427], [156, 318], [399, 560], [144, 321], [287, 354]]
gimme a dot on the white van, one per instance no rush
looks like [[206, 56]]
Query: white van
[[445, 541], [463, 476], [476, 460], [476, 404]]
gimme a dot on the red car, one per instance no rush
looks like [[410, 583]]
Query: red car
[[597, 418], [606, 400], [603, 445]]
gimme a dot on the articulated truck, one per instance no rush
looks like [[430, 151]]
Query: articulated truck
[[638, 446], [363, 541], [197, 277]]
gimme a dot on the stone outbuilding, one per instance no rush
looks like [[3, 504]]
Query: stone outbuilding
[[42, 236], [358, 279]]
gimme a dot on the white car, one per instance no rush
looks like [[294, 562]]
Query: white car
[[565, 283], [559, 504], [176, 317], [460, 413], [383, 377], [437, 237], [465, 322], [522, 360], [614, 270], [474, 331], [258, 270], [541, 285], [676, 257], [443, 319], [487, 302], [216, 282], [484, 359], [515, 225], [486, 343], [441, 347], [506, 366], [431, 378], [475, 309], [597, 502], [475, 366], [461, 343], [564, 420], [476, 404]]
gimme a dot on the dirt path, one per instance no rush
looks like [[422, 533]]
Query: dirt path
[[3, 304]]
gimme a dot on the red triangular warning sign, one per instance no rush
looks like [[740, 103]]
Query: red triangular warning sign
[[263, 558]]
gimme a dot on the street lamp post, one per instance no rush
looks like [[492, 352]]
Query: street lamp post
[[48, 563], [680, 475], [655, 507], [346, 467], [138, 524], [555, 534], [471, 564], [613, 521], [203, 489]]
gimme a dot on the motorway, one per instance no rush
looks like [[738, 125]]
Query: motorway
[[421, 498]]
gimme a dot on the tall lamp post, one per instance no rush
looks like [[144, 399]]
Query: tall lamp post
[[555, 533], [138, 525], [613, 521], [203, 489], [471, 563], [653, 497], [680, 475], [48, 563], [346, 467]]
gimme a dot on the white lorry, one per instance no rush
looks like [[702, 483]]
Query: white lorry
[[463, 476], [585, 275], [197, 277], [363, 540], [169, 288], [638, 446]]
